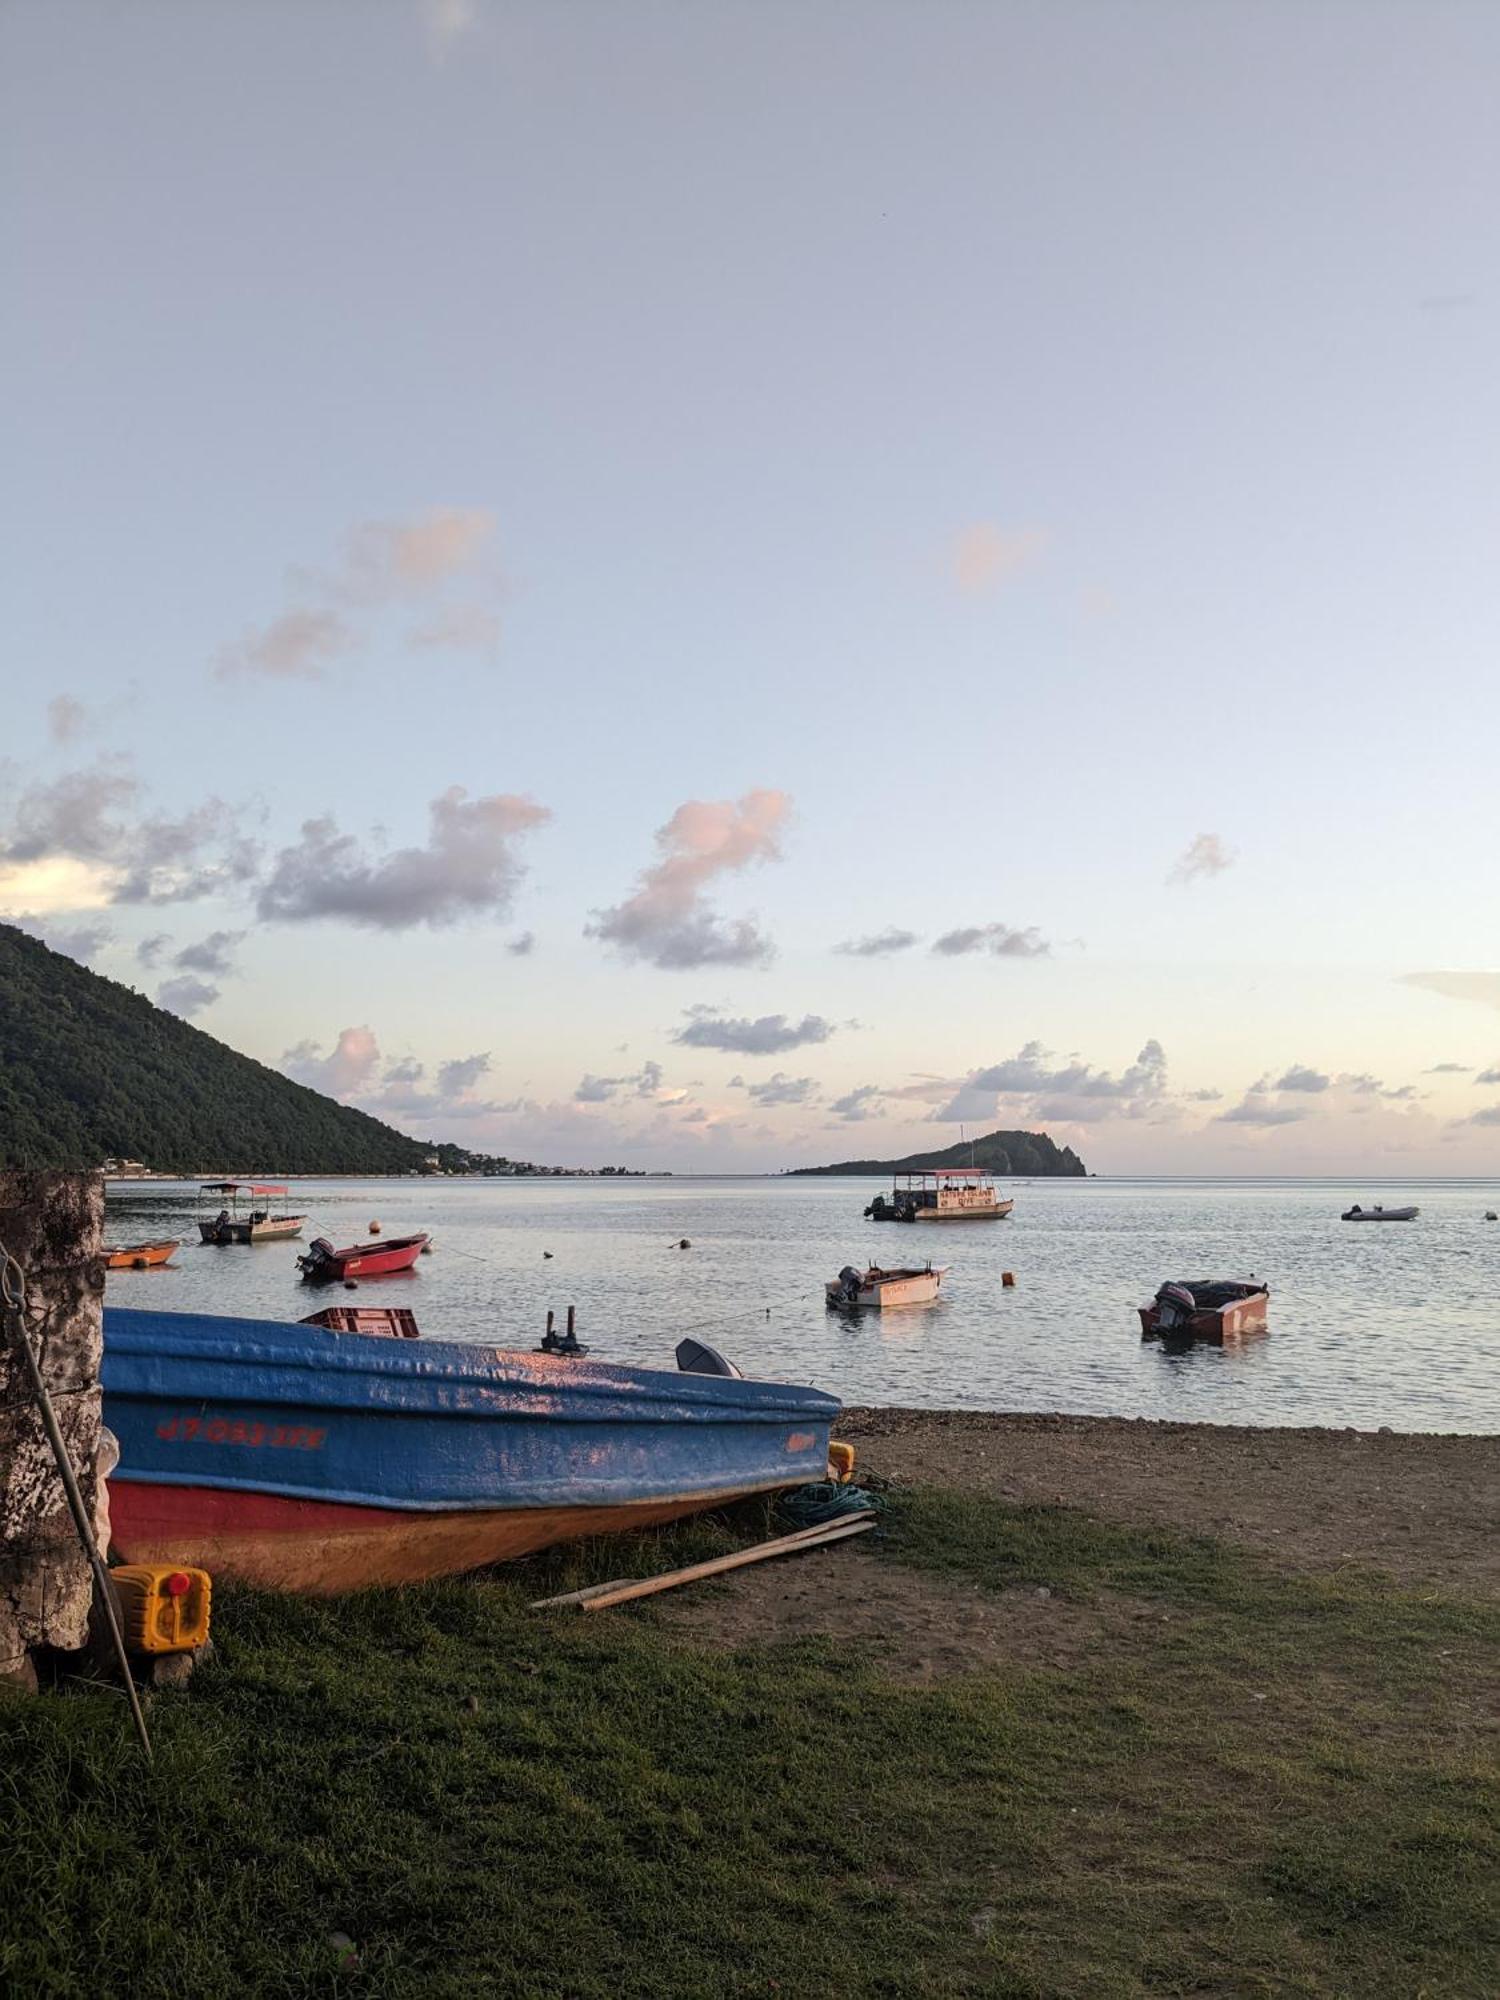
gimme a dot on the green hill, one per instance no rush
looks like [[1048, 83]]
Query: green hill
[[91, 1071], [1031, 1153]]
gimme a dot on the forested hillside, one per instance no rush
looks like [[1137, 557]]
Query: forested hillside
[[90, 1071], [999, 1152]]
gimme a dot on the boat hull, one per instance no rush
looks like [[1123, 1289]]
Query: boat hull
[[1236, 1320], [320, 1548], [434, 1456], [373, 1260], [996, 1212], [906, 1288], [275, 1229], [140, 1256], [1379, 1215]]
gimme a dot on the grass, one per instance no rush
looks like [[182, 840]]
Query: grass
[[1253, 1784]]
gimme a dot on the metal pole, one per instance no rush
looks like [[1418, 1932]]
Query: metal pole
[[13, 1299]]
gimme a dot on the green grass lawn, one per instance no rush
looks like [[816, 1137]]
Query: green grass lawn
[[1253, 1784]]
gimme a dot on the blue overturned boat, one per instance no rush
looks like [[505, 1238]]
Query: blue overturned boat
[[302, 1458]]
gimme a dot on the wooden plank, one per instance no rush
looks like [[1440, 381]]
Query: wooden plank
[[599, 1596]]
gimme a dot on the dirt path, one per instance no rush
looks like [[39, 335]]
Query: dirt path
[[1425, 1509]]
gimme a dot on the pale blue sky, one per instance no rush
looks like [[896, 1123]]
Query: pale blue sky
[[1026, 437]]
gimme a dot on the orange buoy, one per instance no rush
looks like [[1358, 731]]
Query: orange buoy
[[374, 1228], [1007, 1278]]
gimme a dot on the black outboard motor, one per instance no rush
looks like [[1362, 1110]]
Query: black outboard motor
[[851, 1280], [314, 1264], [1175, 1307]]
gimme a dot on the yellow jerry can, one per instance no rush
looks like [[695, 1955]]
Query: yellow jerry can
[[163, 1607]]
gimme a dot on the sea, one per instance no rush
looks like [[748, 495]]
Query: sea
[[1370, 1325]]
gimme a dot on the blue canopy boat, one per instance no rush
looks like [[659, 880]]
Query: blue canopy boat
[[304, 1459]]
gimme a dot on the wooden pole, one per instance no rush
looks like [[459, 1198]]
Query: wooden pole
[[600, 1596]]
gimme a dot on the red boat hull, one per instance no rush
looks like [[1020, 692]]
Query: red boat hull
[[369, 1260]]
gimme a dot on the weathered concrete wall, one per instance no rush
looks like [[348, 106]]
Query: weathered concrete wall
[[52, 1224]]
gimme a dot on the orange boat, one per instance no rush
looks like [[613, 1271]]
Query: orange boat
[[139, 1256]]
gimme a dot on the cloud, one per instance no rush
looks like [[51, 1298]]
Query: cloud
[[878, 945], [468, 867], [344, 1072], [186, 996], [646, 1082], [1487, 1076], [1256, 1108], [467, 628], [1489, 1116], [767, 1035], [1483, 988], [82, 942], [66, 718], [446, 23], [388, 560], [1034, 1085], [1300, 1078], [299, 645], [1449, 1069], [999, 940], [984, 554], [668, 921], [74, 841], [1205, 854], [213, 954], [522, 946], [779, 1089], [857, 1105], [150, 949]]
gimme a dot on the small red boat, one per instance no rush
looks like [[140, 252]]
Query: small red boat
[[1224, 1309], [323, 1263]]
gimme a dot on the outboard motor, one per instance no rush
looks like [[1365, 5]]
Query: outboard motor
[[319, 1255], [851, 1280], [1175, 1307]]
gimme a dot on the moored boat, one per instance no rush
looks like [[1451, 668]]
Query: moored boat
[[880, 1287], [255, 1225], [1207, 1309], [1378, 1214], [301, 1458], [140, 1256], [322, 1263], [942, 1194]]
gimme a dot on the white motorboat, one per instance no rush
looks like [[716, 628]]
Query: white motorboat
[[876, 1286], [1378, 1214]]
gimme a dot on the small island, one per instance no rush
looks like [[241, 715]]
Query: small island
[[1029, 1153]]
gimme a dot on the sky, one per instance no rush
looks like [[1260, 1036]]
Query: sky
[[724, 586]]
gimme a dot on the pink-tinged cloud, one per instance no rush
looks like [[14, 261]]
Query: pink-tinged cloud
[[1205, 855], [299, 645], [387, 559], [469, 867], [984, 554], [669, 922], [66, 718], [344, 1072]]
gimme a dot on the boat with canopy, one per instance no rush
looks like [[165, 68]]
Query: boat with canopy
[[243, 1217]]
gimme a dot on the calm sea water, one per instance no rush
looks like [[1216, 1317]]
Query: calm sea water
[[1394, 1323]]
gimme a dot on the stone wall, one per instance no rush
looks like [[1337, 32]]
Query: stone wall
[[52, 1224]]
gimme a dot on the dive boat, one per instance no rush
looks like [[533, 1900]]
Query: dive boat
[[303, 1458], [139, 1256], [1377, 1214], [879, 1287], [1207, 1309], [322, 1263], [941, 1194], [256, 1225]]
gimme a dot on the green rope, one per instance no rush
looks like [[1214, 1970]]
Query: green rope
[[811, 1506]]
